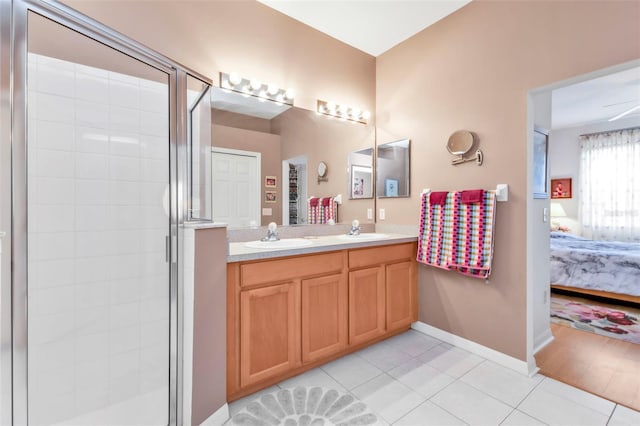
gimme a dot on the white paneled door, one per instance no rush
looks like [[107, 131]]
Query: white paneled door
[[235, 187]]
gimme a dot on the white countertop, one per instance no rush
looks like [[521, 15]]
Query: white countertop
[[240, 252]]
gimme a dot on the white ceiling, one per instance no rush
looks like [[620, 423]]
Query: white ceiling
[[597, 100], [373, 26]]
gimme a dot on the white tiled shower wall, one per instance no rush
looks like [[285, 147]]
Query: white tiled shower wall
[[97, 215]]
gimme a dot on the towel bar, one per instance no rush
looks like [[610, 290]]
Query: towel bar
[[337, 198], [502, 192]]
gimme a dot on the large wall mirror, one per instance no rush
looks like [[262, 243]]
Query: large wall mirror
[[393, 169], [265, 158]]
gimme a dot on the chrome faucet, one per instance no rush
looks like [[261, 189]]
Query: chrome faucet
[[272, 233], [355, 227]]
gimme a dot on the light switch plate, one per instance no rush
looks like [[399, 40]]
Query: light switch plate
[[267, 211], [382, 214], [369, 214]]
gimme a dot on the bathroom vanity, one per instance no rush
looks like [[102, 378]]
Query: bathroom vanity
[[291, 310]]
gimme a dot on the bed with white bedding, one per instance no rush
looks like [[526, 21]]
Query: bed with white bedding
[[591, 266]]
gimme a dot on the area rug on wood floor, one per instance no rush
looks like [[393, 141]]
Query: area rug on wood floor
[[315, 406], [616, 323]]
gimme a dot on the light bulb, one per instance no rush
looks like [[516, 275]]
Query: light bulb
[[272, 89], [255, 84], [355, 113], [366, 115], [234, 78], [280, 98], [289, 94], [330, 106], [263, 94]]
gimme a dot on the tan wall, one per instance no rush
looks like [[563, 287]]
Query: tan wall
[[472, 70], [241, 121], [268, 146], [246, 37], [209, 324]]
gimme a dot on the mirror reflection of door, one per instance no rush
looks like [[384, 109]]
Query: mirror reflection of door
[[361, 173], [235, 187]]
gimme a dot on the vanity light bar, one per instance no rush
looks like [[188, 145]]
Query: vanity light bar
[[252, 87], [343, 112]]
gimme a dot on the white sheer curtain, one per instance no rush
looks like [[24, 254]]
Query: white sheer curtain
[[610, 185]]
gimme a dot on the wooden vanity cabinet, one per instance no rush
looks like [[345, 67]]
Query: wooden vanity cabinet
[[324, 316], [401, 297], [366, 304], [394, 304], [269, 331], [287, 315]]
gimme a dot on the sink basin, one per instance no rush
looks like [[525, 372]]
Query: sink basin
[[366, 236], [285, 243]]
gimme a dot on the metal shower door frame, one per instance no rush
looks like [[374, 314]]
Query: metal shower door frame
[[13, 211]]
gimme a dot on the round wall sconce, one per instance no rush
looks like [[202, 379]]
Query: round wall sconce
[[322, 172]]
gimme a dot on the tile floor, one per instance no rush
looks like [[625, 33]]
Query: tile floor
[[415, 380]]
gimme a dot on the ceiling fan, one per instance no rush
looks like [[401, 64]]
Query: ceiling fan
[[625, 113]]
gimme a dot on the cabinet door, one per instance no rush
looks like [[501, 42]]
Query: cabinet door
[[324, 316], [366, 304], [400, 295], [269, 331]]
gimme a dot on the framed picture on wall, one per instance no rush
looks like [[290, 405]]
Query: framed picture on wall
[[270, 197], [540, 163], [561, 188], [391, 187], [270, 181]]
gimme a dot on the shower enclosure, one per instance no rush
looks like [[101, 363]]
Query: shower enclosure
[[97, 128]]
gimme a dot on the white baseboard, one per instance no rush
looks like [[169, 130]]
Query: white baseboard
[[218, 418], [542, 340], [505, 360]]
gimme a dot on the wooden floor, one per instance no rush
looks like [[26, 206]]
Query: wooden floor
[[601, 365]]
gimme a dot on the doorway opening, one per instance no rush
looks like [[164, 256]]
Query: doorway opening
[[584, 106], [294, 191]]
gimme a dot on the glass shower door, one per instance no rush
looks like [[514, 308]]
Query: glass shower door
[[97, 146]]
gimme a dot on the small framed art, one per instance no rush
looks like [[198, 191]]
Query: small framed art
[[270, 197], [270, 181], [561, 188], [391, 187]]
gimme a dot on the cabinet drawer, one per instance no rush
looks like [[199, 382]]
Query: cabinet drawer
[[377, 255], [291, 268]]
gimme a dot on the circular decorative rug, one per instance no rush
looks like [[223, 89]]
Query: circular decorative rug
[[303, 406]]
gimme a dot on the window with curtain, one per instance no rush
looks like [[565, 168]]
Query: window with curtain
[[610, 185]]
